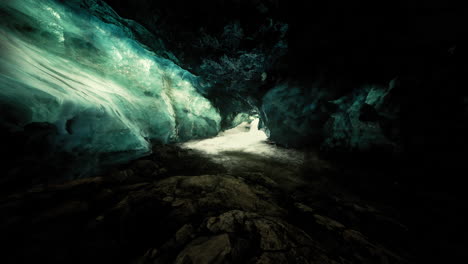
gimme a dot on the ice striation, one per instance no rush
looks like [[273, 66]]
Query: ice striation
[[82, 68]]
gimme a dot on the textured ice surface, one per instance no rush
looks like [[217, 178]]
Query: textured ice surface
[[82, 70], [349, 129], [293, 117]]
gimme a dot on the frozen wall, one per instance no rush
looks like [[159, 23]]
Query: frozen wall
[[364, 120], [294, 116], [79, 66]]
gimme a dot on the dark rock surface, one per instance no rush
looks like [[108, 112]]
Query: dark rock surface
[[151, 211], [377, 89]]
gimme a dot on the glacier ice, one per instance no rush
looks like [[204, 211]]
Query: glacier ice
[[349, 129], [84, 71], [294, 116]]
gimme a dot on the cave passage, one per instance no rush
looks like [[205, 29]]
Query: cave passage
[[234, 131], [246, 137], [247, 149]]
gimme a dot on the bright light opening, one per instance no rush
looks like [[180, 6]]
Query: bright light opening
[[245, 137]]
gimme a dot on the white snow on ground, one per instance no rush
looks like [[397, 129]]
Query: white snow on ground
[[245, 138]]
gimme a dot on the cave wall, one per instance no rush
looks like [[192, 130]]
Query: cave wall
[[344, 78], [82, 74], [312, 69]]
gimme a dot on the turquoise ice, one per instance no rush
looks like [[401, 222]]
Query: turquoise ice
[[83, 70]]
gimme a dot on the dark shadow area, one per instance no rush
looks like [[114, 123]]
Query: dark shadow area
[[145, 211], [364, 104]]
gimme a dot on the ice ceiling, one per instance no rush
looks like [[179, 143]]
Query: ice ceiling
[[103, 90]]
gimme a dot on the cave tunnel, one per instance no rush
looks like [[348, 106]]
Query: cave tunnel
[[234, 131]]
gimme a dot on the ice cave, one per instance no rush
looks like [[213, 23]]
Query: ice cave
[[233, 131]]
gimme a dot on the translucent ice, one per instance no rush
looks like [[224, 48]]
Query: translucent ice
[[83, 70]]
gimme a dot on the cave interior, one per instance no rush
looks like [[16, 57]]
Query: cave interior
[[233, 131]]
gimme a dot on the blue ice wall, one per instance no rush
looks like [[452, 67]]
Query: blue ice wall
[[293, 115], [366, 119], [79, 66], [361, 119]]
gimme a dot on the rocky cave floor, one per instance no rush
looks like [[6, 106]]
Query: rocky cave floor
[[180, 206]]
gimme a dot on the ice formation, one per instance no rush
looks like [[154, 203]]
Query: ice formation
[[83, 70]]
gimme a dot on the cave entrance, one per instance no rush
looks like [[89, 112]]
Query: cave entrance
[[245, 137]]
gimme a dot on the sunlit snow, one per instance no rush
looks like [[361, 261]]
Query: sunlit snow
[[229, 147], [244, 137]]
